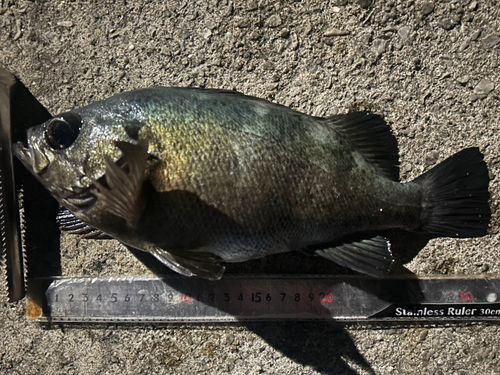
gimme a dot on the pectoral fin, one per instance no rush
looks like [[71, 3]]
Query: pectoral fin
[[122, 195], [371, 256], [191, 262]]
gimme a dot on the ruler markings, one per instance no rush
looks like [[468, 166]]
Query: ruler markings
[[178, 299]]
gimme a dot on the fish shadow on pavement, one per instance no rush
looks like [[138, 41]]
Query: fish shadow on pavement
[[322, 345], [325, 346]]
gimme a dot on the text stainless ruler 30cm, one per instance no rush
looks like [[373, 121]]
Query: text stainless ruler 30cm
[[340, 298]]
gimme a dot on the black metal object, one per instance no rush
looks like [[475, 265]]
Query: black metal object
[[19, 110]]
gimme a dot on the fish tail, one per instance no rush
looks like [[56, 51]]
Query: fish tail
[[455, 196]]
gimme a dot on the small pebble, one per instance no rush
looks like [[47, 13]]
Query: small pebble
[[473, 6], [229, 10], [463, 79], [268, 65], [429, 160], [417, 63], [252, 5], [490, 41], [423, 335], [467, 18], [294, 42], [445, 75], [335, 32], [472, 97], [285, 33], [426, 355], [274, 21], [271, 86], [366, 38], [254, 35], [475, 35], [463, 46], [365, 3], [131, 47], [19, 32], [379, 46], [242, 22], [404, 32], [210, 25], [65, 23], [427, 7], [485, 268], [484, 87], [446, 23]]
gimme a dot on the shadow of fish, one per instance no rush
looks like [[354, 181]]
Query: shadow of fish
[[199, 178]]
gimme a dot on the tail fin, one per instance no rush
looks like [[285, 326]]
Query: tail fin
[[455, 196]]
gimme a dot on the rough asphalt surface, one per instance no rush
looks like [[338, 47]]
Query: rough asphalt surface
[[432, 68]]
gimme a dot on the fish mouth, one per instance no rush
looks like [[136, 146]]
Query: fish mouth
[[79, 198], [82, 201], [23, 153]]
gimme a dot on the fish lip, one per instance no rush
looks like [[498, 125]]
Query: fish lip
[[83, 201], [78, 197], [23, 153]]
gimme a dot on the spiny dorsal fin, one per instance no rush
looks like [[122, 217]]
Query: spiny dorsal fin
[[122, 197], [371, 256], [372, 137]]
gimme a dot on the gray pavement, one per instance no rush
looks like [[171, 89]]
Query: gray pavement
[[432, 68]]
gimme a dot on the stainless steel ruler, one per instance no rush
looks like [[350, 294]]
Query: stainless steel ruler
[[268, 297]]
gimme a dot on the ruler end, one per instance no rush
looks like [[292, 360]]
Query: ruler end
[[33, 309]]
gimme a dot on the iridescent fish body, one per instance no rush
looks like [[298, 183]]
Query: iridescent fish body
[[200, 177]]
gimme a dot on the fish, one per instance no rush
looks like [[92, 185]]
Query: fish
[[200, 178]]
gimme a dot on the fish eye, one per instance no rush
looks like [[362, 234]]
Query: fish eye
[[62, 130]]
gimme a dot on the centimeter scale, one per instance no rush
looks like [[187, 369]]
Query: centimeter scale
[[268, 297]]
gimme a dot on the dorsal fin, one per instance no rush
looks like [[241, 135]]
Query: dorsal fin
[[371, 137]]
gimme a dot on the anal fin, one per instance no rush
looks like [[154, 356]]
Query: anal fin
[[371, 256]]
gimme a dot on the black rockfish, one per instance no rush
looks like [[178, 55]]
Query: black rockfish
[[199, 178]]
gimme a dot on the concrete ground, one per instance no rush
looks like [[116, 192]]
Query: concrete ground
[[432, 68]]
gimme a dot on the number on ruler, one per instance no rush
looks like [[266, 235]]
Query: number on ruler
[[464, 296], [326, 298]]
